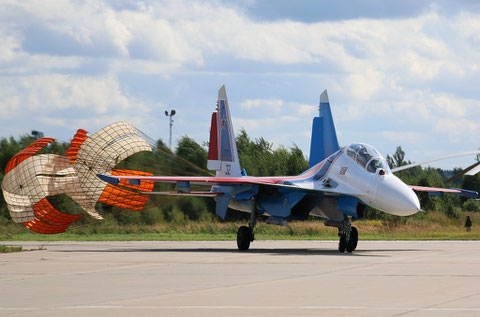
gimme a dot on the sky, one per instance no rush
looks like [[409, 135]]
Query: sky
[[397, 72]]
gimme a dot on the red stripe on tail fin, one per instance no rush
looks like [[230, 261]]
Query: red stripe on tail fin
[[213, 145]]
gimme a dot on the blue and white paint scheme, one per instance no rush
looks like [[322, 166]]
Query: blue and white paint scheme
[[324, 137], [337, 187]]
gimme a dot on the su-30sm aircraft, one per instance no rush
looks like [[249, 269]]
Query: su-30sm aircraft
[[337, 187]]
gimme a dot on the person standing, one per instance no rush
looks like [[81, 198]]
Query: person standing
[[468, 224]]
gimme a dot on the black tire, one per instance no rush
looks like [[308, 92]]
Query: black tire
[[342, 244], [352, 243], [244, 237]]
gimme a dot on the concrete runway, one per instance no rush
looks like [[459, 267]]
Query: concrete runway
[[274, 278]]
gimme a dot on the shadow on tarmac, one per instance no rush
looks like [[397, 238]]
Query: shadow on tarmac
[[296, 251]]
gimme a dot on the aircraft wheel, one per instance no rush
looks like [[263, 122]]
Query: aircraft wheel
[[244, 237], [342, 244], [352, 243]]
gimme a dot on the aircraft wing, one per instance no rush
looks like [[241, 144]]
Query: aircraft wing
[[404, 167], [469, 171], [283, 182], [439, 191], [198, 180]]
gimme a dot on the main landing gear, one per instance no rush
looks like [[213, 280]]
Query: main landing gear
[[245, 234], [348, 235]]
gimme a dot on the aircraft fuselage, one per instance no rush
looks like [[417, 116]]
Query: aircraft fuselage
[[350, 179]]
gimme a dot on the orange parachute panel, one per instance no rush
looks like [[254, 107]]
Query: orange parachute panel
[[26, 153], [122, 198], [145, 185], [45, 211], [40, 226], [75, 144]]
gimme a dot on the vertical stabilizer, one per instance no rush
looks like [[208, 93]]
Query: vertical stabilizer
[[222, 153], [324, 137]]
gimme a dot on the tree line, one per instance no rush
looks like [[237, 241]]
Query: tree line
[[257, 156]]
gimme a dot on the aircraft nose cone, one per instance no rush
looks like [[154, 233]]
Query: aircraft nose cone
[[395, 197]]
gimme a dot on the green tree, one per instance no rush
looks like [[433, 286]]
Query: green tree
[[297, 162], [471, 182], [192, 152], [397, 159], [259, 158]]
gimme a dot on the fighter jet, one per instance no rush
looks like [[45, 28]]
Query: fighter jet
[[337, 187]]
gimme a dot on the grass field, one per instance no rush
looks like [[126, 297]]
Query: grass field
[[8, 249], [431, 226]]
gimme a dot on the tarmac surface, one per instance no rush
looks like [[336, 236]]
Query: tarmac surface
[[212, 278]]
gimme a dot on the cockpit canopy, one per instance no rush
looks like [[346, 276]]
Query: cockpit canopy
[[368, 157]]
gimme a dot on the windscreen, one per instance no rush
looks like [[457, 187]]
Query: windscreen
[[368, 157]]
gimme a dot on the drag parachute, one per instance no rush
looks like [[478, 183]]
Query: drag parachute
[[30, 178]]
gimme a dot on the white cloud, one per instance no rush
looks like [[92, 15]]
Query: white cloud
[[10, 45], [308, 111], [50, 93], [456, 127], [186, 32], [54, 121], [363, 85], [450, 105], [400, 137], [157, 38], [141, 66], [404, 73], [274, 105], [261, 124]]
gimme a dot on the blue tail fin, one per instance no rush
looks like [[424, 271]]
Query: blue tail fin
[[324, 137]]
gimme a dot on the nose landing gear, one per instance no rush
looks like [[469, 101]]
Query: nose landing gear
[[348, 235], [349, 244]]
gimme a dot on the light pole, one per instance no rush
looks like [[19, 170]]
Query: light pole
[[37, 134], [172, 113]]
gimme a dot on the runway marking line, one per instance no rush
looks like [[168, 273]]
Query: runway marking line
[[451, 309]]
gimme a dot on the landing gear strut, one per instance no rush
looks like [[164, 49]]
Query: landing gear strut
[[245, 234], [348, 235]]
